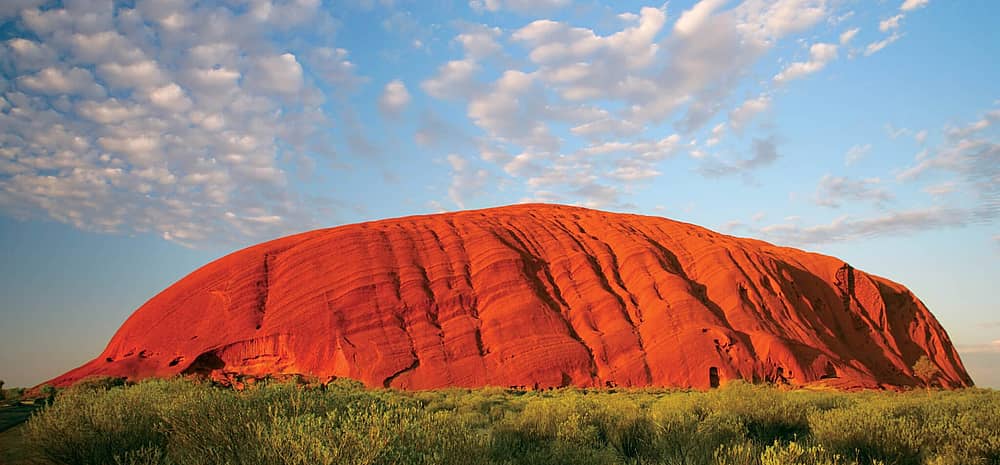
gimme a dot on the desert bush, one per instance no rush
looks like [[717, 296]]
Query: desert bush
[[48, 394], [793, 453], [182, 422], [14, 395], [99, 383], [148, 455], [91, 427], [740, 453], [568, 427], [766, 414], [874, 429], [960, 427]]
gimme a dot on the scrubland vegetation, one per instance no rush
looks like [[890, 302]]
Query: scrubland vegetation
[[184, 422]]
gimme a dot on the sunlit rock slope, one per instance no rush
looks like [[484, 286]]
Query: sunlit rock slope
[[534, 296]]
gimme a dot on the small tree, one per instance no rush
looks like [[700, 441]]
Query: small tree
[[2, 392], [49, 393], [926, 370]]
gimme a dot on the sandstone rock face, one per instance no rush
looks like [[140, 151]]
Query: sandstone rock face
[[534, 296]]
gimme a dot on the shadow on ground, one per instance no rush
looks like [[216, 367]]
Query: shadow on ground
[[13, 415]]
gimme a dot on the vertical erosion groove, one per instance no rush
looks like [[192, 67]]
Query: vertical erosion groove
[[602, 278], [400, 311], [744, 287], [425, 257], [263, 289], [472, 306], [845, 282], [532, 267], [668, 260], [432, 302]]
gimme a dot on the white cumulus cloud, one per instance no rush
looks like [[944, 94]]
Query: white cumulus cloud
[[278, 73], [394, 98], [910, 5], [819, 55]]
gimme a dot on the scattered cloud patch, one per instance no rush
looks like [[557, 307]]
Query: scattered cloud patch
[[740, 116], [215, 113], [970, 152], [333, 66], [895, 132], [834, 191], [763, 152], [819, 55], [693, 19], [895, 223], [716, 135], [480, 41], [856, 153], [278, 73], [519, 6], [877, 46], [847, 36], [454, 80], [434, 131], [609, 89], [513, 110], [910, 5], [944, 188], [394, 98], [607, 127], [992, 347], [174, 120], [630, 170], [890, 24], [55, 81], [466, 181]]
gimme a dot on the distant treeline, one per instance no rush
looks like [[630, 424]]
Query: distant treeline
[[182, 422]]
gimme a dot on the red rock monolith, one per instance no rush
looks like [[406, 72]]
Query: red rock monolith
[[532, 296]]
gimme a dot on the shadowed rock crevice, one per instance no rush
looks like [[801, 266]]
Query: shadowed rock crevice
[[204, 364], [413, 366]]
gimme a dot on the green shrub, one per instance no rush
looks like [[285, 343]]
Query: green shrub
[[689, 430], [181, 422], [90, 427], [741, 453], [793, 453], [148, 455], [767, 414], [99, 383], [14, 396], [872, 430], [48, 394]]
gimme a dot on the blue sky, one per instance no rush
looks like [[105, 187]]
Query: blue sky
[[142, 139]]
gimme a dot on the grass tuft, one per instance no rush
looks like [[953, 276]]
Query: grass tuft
[[183, 422]]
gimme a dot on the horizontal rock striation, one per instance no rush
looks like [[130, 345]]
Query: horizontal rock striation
[[533, 296]]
